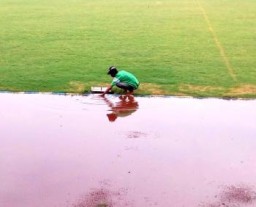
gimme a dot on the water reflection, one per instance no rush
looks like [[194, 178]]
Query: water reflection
[[125, 107], [56, 150]]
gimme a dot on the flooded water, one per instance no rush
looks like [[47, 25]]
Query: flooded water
[[86, 151]]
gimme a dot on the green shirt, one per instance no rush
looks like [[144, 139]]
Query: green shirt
[[125, 77]]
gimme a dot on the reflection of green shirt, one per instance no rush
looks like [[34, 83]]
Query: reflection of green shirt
[[125, 77]]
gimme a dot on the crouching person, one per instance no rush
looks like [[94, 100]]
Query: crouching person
[[122, 79]]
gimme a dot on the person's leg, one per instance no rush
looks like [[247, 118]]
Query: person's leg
[[126, 87], [128, 91]]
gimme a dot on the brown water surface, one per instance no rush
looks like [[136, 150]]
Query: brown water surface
[[87, 151]]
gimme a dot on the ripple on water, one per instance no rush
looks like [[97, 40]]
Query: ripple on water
[[93, 99]]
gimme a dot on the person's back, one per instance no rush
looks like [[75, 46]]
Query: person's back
[[126, 77]]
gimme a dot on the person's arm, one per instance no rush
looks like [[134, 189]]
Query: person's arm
[[108, 102], [106, 91]]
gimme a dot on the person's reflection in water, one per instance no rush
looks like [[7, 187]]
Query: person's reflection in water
[[125, 107]]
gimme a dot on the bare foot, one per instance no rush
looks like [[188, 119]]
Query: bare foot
[[122, 97], [130, 97]]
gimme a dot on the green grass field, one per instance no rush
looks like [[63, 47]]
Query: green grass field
[[201, 48]]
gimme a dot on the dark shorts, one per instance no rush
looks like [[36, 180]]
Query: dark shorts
[[125, 86]]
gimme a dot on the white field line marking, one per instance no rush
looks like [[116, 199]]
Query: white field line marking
[[217, 42]]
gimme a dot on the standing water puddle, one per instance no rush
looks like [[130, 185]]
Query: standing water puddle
[[86, 151]]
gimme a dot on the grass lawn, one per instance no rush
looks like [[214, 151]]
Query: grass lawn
[[201, 48]]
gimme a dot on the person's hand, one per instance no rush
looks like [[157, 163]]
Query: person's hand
[[106, 91]]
